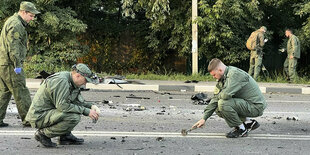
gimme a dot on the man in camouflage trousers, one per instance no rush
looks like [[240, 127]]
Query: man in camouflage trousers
[[58, 104], [293, 54], [236, 98], [256, 58], [13, 50]]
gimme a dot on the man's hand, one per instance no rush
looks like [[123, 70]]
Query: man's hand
[[199, 124], [94, 107], [93, 114], [17, 70], [291, 57]]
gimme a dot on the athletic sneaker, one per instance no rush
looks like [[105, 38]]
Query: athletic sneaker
[[251, 126], [237, 132]]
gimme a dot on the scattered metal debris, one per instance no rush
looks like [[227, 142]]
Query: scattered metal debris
[[201, 99], [123, 139], [115, 80], [162, 93], [112, 107], [294, 118], [136, 149], [133, 107], [136, 97], [88, 127], [160, 113], [107, 102], [304, 130], [25, 138], [160, 139], [277, 117]]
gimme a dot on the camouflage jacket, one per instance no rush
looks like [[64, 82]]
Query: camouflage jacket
[[13, 41], [58, 92], [293, 47]]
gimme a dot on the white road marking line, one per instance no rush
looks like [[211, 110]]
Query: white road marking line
[[279, 112], [282, 101], [163, 134]]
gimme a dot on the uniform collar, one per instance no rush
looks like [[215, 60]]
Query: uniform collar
[[71, 80], [21, 19], [225, 73]]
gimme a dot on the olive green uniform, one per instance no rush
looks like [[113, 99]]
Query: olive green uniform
[[256, 58], [293, 49], [57, 106], [236, 97], [13, 50]]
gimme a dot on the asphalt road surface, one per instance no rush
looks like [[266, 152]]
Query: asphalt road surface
[[147, 122]]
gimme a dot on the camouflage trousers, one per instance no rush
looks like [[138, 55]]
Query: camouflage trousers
[[290, 66], [235, 110], [56, 123], [12, 83], [256, 61]]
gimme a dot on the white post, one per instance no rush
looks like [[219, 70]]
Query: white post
[[194, 38]]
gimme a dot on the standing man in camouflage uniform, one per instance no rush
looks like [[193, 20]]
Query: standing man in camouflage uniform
[[256, 58], [13, 50], [58, 104], [293, 54], [236, 97]]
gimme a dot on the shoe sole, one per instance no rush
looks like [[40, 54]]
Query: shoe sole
[[69, 143], [254, 126], [245, 134]]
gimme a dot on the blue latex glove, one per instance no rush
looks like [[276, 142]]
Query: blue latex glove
[[18, 70]]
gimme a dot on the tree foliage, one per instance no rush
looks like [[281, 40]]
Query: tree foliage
[[147, 35]]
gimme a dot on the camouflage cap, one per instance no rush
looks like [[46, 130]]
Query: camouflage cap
[[86, 72], [28, 6]]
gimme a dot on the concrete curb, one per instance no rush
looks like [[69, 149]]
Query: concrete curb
[[179, 87]]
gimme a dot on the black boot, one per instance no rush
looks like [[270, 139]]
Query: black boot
[[70, 139], [43, 139]]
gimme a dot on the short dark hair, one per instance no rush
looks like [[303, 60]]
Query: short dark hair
[[289, 30], [213, 64]]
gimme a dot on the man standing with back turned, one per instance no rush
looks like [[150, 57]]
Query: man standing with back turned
[[13, 50], [236, 97], [256, 43]]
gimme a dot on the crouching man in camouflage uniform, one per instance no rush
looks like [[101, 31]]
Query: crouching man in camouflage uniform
[[236, 97], [58, 104]]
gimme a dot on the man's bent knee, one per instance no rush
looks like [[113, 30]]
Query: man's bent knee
[[223, 105]]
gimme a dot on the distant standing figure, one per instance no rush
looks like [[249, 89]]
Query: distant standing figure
[[293, 54], [256, 43]]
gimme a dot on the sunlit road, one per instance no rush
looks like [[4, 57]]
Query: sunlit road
[[122, 129]]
